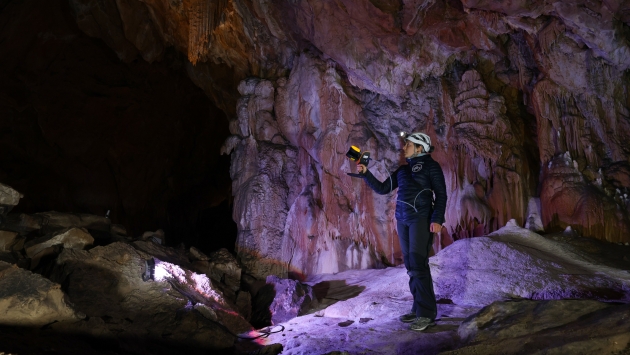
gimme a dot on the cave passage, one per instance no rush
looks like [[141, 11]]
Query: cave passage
[[83, 132]]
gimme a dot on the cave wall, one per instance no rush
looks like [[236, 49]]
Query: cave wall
[[81, 131], [526, 102]]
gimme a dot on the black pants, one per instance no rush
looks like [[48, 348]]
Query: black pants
[[415, 241]]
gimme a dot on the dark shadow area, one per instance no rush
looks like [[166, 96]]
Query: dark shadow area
[[83, 132], [325, 294], [208, 229], [331, 292], [594, 250], [261, 312], [46, 341]]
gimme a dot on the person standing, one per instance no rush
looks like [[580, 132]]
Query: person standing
[[418, 216]]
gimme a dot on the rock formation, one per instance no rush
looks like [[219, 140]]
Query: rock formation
[[138, 296], [522, 100], [501, 294], [28, 299], [586, 327], [80, 292]]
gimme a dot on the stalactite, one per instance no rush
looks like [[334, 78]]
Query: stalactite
[[204, 16], [549, 34]]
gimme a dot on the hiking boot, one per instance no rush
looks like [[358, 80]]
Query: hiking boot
[[407, 318], [421, 323]]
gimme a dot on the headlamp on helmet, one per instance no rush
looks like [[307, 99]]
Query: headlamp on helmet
[[421, 139]]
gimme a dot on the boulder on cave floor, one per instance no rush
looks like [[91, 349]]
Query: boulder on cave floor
[[73, 238], [223, 266], [514, 263], [7, 240], [547, 327], [28, 299], [164, 253], [9, 197], [281, 300], [157, 237], [179, 307]]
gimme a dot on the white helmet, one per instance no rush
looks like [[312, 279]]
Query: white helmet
[[422, 139]]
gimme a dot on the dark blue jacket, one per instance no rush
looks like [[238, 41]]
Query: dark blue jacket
[[416, 183]]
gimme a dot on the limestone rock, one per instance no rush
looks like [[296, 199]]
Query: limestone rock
[[7, 240], [299, 190], [502, 88], [23, 223], [163, 253], [74, 238], [571, 200], [119, 233], [118, 229], [157, 237], [534, 222], [107, 282], [200, 290], [534, 327], [196, 254], [30, 300], [514, 262], [281, 300], [223, 266], [8, 198]]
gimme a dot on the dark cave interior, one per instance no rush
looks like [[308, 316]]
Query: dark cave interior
[[83, 132]]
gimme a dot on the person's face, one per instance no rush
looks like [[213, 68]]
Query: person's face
[[410, 149]]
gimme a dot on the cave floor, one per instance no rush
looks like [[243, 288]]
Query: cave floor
[[360, 308], [313, 334], [367, 322]]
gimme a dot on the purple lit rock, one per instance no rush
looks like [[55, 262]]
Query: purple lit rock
[[504, 269], [515, 263], [280, 300]]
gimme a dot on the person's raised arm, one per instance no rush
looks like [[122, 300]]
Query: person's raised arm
[[381, 188]]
